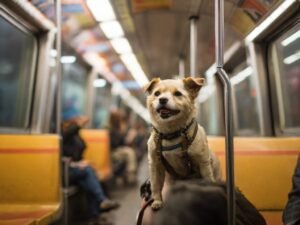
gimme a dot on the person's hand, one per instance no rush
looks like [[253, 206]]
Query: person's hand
[[83, 164]]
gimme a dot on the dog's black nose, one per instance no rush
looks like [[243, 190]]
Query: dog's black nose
[[163, 101]]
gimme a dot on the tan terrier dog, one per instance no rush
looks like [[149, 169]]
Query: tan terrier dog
[[177, 144]]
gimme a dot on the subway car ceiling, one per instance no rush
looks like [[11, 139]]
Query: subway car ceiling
[[128, 42]]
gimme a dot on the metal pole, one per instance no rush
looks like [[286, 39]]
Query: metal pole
[[219, 37], [193, 45], [58, 105], [181, 67], [58, 66]]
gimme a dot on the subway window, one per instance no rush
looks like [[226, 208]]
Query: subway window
[[284, 68], [245, 104], [211, 107], [75, 78], [102, 104], [17, 63]]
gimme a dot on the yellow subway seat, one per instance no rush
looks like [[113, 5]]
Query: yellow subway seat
[[40, 214], [98, 152], [30, 178]]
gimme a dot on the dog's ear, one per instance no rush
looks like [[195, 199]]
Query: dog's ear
[[193, 85], [149, 87]]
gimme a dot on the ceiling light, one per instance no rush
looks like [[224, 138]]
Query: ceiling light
[[99, 83], [269, 20], [121, 45], [53, 53], [102, 10], [135, 69], [291, 38], [112, 29], [68, 59]]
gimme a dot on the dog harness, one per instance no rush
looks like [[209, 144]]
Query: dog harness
[[184, 144]]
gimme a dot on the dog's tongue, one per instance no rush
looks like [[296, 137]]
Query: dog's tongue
[[164, 111]]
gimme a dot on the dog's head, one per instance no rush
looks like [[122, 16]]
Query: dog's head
[[171, 102]]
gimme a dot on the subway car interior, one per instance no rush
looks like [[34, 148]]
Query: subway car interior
[[76, 123]]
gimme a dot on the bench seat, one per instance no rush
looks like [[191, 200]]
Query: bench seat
[[98, 152], [30, 189], [263, 170], [27, 214]]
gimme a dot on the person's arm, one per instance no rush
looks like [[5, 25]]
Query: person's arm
[[291, 213]]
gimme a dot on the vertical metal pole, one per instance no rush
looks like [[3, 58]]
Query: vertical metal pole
[[181, 67], [193, 45], [58, 65], [58, 103], [219, 38]]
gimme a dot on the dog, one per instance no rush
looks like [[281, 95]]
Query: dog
[[177, 146]]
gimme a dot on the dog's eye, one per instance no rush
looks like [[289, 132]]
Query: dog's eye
[[157, 93], [177, 93]]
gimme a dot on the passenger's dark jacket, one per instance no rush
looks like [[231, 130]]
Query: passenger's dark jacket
[[291, 213], [117, 139], [73, 144]]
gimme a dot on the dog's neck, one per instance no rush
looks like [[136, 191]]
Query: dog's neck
[[173, 126], [177, 133]]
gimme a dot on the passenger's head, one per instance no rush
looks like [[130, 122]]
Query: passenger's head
[[193, 204], [115, 119], [204, 203]]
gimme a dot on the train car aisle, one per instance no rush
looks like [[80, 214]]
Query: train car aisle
[[129, 198]]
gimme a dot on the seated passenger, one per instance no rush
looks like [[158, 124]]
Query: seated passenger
[[80, 172], [121, 152], [291, 213], [198, 202]]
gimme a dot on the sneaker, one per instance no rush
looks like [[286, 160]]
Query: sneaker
[[107, 205]]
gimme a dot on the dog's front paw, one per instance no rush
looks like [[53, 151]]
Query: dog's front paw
[[156, 205]]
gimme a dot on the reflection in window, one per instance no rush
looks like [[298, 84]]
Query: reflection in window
[[245, 102], [17, 63], [75, 87], [284, 63]]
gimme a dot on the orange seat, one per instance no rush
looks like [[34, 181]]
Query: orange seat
[[263, 170], [30, 179], [98, 151]]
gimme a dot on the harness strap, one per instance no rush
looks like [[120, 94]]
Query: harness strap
[[185, 143]]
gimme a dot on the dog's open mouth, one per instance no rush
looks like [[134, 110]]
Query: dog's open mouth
[[165, 112]]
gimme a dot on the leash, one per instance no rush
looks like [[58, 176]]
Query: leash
[[141, 212]]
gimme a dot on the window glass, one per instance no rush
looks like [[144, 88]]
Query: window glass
[[17, 63], [102, 105], [211, 107], [284, 66], [75, 79], [245, 104]]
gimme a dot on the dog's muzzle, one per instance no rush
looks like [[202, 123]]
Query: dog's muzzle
[[165, 112]]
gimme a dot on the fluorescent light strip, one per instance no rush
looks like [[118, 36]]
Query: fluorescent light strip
[[68, 59], [102, 10], [269, 20], [241, 76], [291, 39], [53, 53], [112, 29], [121, 45], [206, 92], [135, 69], [292, 58], [99, 83], [131, 101]]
